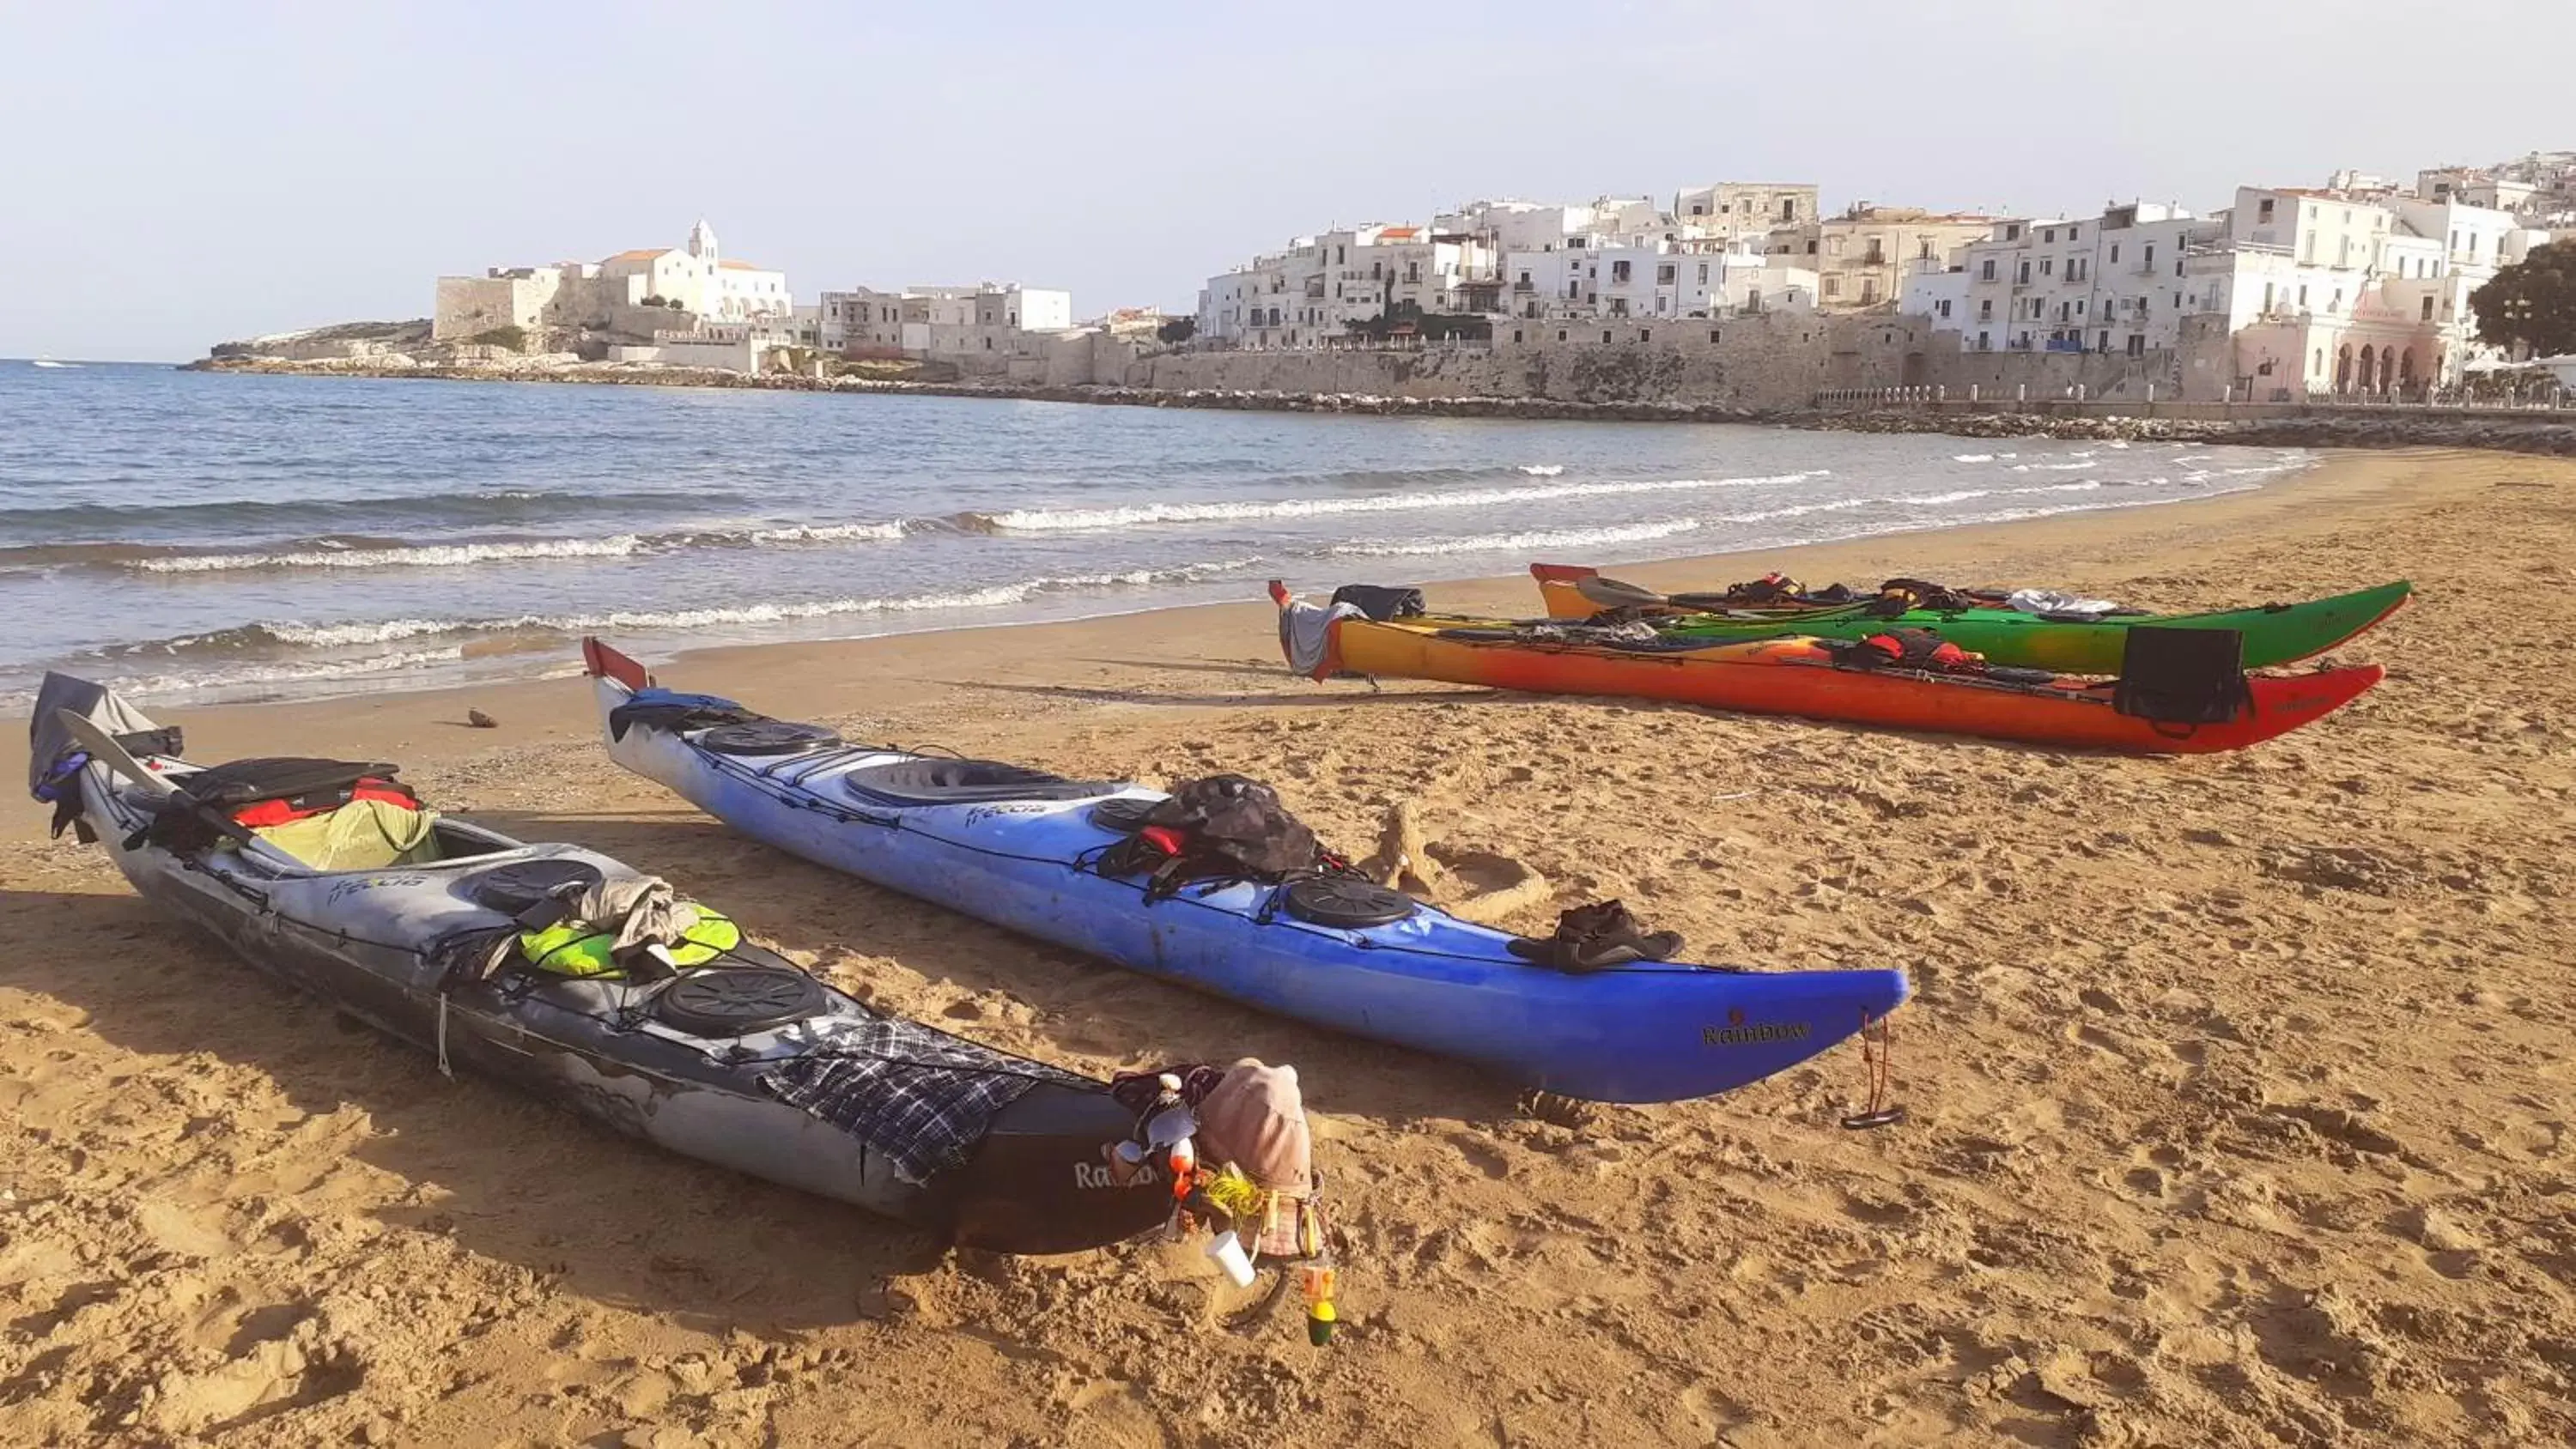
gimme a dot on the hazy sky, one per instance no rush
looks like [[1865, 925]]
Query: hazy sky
[[177, 174]]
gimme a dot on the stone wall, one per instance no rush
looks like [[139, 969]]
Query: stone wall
[[1775, 360], [2007, 375], [470, 306]]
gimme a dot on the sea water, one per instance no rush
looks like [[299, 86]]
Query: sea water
[[225, 536]]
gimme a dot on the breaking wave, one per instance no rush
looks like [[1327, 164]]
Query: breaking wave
[[294, 634], [1054, 520], [345, 553], [298, 516], [1518, 542]]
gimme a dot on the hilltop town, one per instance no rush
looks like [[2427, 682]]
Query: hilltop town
[[1737, 294]]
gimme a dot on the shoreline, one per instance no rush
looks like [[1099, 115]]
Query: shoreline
[[2018, 549], [2547, 433]]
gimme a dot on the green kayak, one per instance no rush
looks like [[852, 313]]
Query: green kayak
[[2274, 633]]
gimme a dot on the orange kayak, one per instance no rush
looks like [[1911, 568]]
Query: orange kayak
[[1797, 676]]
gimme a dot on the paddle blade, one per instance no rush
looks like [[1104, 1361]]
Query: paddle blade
[[1615, 594], [601, 662], [103, 748]]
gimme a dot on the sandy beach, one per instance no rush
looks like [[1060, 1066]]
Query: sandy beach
[[2238, 1085]]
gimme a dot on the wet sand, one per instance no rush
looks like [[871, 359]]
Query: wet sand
[[2238, 1084]]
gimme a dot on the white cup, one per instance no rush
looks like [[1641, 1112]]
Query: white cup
[[1227, 1250]]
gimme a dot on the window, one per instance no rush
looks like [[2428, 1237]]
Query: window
[[1712, 334], [1703, 273], [1986, 310], [2012, 233], [2106, 342], [1516, 334], [1664, 274], [2049, 235], [2428, 309], [2047, 265], [2025, 274], [1698, 209], [2073, 232], [1560, 334], [2137, 345], [1986, 273], [1985, 342], [1833, 246], [2115, 253], [1642, 334], [1833, 286], [2263, 209], [2303, 294], [1605, 334]]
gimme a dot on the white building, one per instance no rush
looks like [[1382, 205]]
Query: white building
[[634, 293], [923, 322], [1745, 208], [698, 278], [1310, 294]]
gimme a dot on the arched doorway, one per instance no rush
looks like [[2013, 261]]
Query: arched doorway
[[2406, 371], [2343, 368], [2388, 368], [2369, 368]]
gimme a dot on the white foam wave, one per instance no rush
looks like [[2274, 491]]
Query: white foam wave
[[1542, 470], [1902, 500], [1972, 457], [2054, 467], [420, 556], [299, 671], [1050, 520], [830, 533], [386, 631], [1559, 538], [452, 555]]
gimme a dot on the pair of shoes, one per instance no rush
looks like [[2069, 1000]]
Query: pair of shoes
[[1589, 938]]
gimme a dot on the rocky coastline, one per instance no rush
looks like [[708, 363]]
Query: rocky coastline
[[2550, 433]]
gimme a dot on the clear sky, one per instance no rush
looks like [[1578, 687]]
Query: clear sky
[[176, 174]]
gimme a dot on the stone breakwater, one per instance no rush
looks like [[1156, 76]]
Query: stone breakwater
[[2551, 434]]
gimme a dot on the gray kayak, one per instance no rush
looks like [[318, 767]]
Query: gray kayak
[[691, 1061]]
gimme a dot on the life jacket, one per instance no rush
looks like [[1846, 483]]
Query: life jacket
[[267, 813], [1225, 827], [1771, 588], [1898, 596], [1908, 649], [582, 948]]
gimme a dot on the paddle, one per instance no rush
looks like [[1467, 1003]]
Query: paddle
[[1612, 593], [103, 747]]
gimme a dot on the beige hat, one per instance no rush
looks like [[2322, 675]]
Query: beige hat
[[1256, 1118]]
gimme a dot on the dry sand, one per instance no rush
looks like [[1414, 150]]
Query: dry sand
[[2239, 1085]]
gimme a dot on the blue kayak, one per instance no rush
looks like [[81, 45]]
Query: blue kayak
[[1020, 849]]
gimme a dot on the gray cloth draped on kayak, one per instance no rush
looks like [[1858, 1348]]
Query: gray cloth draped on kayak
[[1305, 632], [921, 1097]]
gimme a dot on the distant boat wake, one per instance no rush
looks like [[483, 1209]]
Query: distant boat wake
[[49, 362]]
